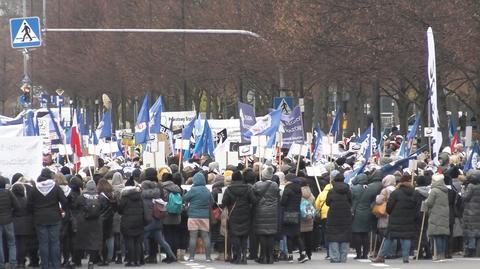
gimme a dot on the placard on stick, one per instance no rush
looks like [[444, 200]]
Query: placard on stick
[[259, 140], [245, 150], [182, 144], [298, 149]]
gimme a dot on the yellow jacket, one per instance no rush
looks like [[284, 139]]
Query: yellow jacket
[[320, 205]]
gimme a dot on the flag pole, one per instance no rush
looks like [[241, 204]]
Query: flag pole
[[298, 159]]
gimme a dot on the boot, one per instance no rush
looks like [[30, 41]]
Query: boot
[[243, 259], [181, 255], [378, 259], [90, 265], [118, 260], [303, 258]]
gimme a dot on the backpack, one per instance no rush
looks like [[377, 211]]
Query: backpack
[[307, 210], [158, 211], [92, 208], [175, 203]]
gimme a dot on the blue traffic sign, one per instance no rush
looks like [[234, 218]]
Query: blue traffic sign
[[25, 32], [283, 103]]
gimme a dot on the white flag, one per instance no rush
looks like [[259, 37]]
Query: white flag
[[432, 79]]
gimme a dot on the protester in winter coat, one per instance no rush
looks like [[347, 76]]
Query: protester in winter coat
[[130, 208], [118, 186], [339, 220], [105, 190], [439, 215], [403, 207], [44, 202], [23, 224], [216, 237], [239, 199], [68, 247], [322, 208], [291, 198], [89, 206], [361, 210], [8, 206], [388, 183], [250, 178], [153, 228], [265, 222], [471, 215], [306, 224], [423, 189], [171, 223], [199, 201]]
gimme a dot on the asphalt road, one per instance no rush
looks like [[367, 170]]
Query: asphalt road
[[318, 261]]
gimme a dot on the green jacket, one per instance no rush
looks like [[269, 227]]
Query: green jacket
[[438, 209]]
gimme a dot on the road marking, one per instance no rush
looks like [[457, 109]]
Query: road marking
[[191, 264], [380, 265]]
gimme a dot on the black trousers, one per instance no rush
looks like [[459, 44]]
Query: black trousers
[[173, 237], [267, 244], [361, 243], [295, 241], [22, 243], [253, 244], [239, 246], [308, 239], [133, 244]]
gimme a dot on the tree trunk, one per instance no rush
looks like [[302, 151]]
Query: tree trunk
[[123, 108], [375, 109], [402, 105]]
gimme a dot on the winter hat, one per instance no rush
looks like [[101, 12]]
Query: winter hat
[[76, 183], [65, 170], [438, 177], [91, 186], [3, 182], [249, 176], [174, 168], [46, 174], [389, 180], [339, 178], [267, 173], [280, 175], [151, 174], [213, 166], [405, 178], [16, 177], [18, 190], [117, 179], [237, 176]]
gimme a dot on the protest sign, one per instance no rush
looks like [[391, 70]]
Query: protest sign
[[21, 155], [245, 150]]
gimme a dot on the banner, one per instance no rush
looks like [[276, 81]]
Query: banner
[[247, 119], [432, 82], [293, 128], [11, 130], [21, 155]]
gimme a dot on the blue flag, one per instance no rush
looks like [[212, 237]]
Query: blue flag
[[204, 144], [451, 127], [355, 173], [188, 130], [94, 138], [335, 128], [86, 129], [397, 165], [317, 142], [472, 159], [413, 131], [105, 126], [29, 125], [155, 116], [247, 118], [141, 127], [367, 145], [266, 125], [403, 151], [380, 144], [55, 124]]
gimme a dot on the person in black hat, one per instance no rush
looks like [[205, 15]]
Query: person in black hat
[[8, 204], [239, 199]]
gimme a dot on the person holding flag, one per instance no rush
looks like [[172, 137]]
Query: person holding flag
[[75, 142]]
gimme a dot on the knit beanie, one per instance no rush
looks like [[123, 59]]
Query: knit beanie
[[267, 173], [91, 186], [117, 179], [237, 176]]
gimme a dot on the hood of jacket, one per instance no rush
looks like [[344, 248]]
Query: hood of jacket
[[171, 187], [117, 179], [361, 179], [152, 192], [132, 192], [423, 191], [377, 176], [341, 187], [439, 184], [45, 187], [198, 179]]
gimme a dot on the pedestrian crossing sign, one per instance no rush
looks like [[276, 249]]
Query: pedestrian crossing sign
[[25, 32]]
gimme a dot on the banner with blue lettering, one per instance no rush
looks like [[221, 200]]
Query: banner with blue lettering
[[247, 119], [293, 128]]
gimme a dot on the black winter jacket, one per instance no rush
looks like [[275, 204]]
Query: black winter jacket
[[8, 203], [43, 202], [291, 198], [266, 208], [339, 218], [239, 198], [403, 207], [131, 209]]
